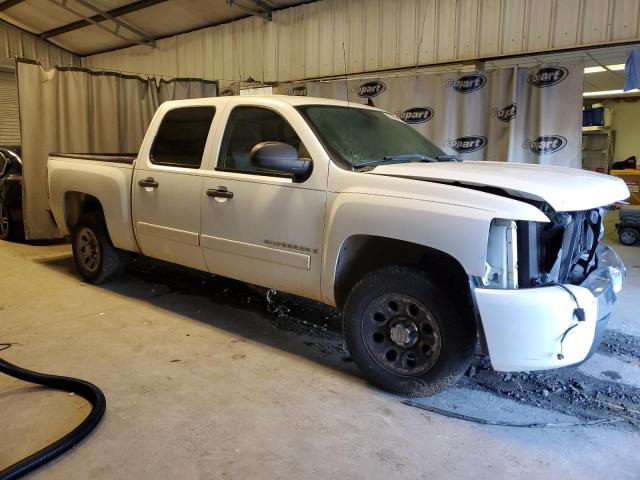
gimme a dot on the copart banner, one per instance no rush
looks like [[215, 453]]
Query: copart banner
[[525, 115]]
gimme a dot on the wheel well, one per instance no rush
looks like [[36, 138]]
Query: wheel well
[[362, 254], [77, 204]]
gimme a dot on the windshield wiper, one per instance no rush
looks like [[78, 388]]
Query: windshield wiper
[[405, 158]]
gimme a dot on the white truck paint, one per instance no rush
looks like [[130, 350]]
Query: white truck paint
[[298, 236]]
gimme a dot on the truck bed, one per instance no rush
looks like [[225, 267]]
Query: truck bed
[[105, 176]]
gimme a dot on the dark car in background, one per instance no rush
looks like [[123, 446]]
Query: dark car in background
[[10, 193], [629, 226]]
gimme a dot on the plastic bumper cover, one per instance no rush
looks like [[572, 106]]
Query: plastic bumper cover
[[523, 328]]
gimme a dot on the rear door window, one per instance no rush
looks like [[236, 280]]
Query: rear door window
[[182, 136]]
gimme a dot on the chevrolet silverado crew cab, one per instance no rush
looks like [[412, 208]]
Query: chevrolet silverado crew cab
[[348, 205]]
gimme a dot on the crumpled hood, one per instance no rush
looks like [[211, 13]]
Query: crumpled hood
[[565, 189]]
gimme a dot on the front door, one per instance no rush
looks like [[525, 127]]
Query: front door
[[167, 188], [258, 228]]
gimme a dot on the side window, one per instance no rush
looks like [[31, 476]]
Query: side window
[[182, 136], [248, 126]]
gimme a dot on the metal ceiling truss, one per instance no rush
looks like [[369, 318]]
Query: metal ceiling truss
[[116, 12], [147, 39], [264, 8]]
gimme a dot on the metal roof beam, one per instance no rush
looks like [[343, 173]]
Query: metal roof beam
[[264, 11], [8, 4], [116, 12], [118, 21], [115, 32]]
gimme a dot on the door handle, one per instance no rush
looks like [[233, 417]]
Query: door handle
[[148, 182], [220, 192]]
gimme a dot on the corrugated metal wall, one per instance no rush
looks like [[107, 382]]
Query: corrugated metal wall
[[9, 116], [337, 36]]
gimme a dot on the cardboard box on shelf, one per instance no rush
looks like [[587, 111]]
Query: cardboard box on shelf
[[632, 179]]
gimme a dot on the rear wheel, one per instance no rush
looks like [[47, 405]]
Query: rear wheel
[[95, 257], [628, 236], [6, 225], [405, 334]]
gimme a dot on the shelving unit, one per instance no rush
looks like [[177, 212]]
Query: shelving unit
[[597, 148]]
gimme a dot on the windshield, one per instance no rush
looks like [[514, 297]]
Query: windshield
[[358, 137]]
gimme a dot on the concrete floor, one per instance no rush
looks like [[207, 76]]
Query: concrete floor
[[199, 389]]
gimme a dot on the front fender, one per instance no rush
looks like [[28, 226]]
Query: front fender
[[460, 231]]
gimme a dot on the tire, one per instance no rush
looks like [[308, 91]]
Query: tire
[[628, 236], [97, 260], [7, 226], [398, 309]]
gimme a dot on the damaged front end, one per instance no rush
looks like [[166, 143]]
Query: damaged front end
[[560, 251], [548, 290]]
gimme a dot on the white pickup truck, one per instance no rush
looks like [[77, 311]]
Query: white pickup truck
[[348, 205]]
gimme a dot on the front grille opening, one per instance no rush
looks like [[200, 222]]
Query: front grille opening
[[562, 250]]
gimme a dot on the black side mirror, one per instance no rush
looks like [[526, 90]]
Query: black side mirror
[[280, 158]]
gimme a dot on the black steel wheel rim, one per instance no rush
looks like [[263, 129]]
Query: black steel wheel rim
[[401, 334], [4, 220]]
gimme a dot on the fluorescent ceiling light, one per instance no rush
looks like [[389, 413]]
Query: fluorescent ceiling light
[[604, 93], [616, 67]]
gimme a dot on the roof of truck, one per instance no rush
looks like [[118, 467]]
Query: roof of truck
[[262, 99]]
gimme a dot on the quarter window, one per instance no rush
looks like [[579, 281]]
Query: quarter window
[[248, 126], [182, 136]]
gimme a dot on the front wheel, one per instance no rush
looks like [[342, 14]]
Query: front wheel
[[95, 257], [628, 236], [405, 334]]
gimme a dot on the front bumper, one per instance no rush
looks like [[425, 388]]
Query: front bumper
[[523, 328]]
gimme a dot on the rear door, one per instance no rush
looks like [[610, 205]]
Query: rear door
[[167, 186]]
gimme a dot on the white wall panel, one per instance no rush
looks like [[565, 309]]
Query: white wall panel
[[307, 41], [489, 27], [371, 18], [567, 21], [446, 28], [466, 28], [540, 14], [625, 19], [427, 31], [595, 21], [389, 20], [407, 31], [513, 27], [356, 37]]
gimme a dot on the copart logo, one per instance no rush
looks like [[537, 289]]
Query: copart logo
[[547, 76], [467, 144], [300, 91], [370, 89], [467, 83], [545, 144], [505, 114], [227, 93], [416, 115]]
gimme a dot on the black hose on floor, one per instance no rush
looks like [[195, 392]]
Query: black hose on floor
[[86, 390]]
